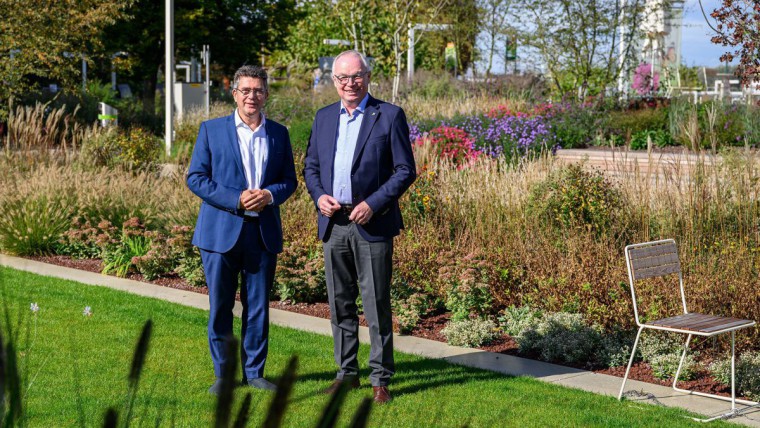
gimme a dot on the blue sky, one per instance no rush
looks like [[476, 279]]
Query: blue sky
[[696, 48]]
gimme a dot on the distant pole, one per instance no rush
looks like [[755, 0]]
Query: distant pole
[[84, 74], [169, 76], [207, 61]]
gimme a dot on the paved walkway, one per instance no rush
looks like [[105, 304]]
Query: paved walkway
[[622, 160], [506, 364]]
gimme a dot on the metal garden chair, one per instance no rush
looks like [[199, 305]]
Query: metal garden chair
[[660, 258]]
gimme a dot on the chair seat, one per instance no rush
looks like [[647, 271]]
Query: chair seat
[[701, 324]]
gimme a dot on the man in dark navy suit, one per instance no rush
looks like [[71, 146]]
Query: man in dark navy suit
[[358, 164], [242, 168]]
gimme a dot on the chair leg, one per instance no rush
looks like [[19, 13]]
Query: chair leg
[[733, 373], [680, 364], [630, 362]]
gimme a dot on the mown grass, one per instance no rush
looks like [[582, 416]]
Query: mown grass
[[76, 366]]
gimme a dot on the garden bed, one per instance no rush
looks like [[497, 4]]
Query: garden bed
[[429, 327]]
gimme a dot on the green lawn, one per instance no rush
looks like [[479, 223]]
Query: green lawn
[[77, 366]]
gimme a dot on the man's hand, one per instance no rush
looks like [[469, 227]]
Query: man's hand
[[327, 205], [255, 199], [361, 214]]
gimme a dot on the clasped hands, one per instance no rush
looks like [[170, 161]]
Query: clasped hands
[[255, 199], [361, 214]]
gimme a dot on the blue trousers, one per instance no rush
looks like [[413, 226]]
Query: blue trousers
[[250, 261]]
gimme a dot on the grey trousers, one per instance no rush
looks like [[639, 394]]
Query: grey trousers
[[354, 265]]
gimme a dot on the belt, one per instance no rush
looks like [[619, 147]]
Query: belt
[[346, 209], [250, 219]]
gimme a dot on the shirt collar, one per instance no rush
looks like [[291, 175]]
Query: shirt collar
[[239, 122], [360, 108]]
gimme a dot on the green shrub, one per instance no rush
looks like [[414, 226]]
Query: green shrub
[[665, 366], [515, 319], [747, 373], [614, 349], [191, 269], [467, 285], [135, 149], [561, 337], [632, 121], [33, 224], [300, 272], [655, 343], [574, 125], [659, 139], [409, 311], [299, 134], [120, 258], [575, 198], [84, 241], [470, 333]]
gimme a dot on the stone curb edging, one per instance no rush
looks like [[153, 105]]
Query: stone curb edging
[[505, 364]]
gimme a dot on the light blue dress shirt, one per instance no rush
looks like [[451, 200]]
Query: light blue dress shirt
[[348, 134]]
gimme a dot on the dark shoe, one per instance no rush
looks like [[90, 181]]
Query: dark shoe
[[216, 388], [382, 395], [353, 383], [261, 383]]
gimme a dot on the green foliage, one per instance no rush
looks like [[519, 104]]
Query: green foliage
[[470, 333], [121, 257], [409, 311], [300, 130], [84, 241], [575, 198], [561, 337], [32, 224], [632, 121], [665, 366], [574, 125], [747, 373], [659, 138], [467, 284], [134, 149], [301, 272], [516, 319]]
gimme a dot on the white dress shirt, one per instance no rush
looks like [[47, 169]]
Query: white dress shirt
[[254, 149]]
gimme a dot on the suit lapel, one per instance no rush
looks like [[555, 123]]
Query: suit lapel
[[270, 153], [371, 113], [233, 141], [330, 137]]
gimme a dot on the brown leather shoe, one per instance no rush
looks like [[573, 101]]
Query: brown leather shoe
[[382, 395], [335, 386]]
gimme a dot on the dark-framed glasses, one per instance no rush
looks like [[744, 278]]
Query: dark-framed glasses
[[358, 78], [258, 93]]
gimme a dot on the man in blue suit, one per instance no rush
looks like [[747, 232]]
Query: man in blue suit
[[242, 168], [358, 164]]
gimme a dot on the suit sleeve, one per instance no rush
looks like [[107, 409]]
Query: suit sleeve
[[405, 170], [200, 177], [311, 173], [286, 183]]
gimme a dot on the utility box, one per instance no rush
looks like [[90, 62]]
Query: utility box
[[188, 96], [108, 116]]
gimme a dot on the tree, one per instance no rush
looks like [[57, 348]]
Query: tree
[[577, 40], [739, 27], [493, 17], [39, 37]]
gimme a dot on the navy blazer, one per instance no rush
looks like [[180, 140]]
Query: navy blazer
[[383, 165], [216, 175]]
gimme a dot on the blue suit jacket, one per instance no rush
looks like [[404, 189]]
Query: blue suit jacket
[[383, 165], [216, 176]]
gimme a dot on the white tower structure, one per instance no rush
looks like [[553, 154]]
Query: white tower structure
[[660, 42]]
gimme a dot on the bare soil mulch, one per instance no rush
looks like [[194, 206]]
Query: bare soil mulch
[[429, 326]]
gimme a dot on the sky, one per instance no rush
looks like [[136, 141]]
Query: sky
[[696, 48]]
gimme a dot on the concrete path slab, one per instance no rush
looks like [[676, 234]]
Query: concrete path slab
[[506, 364]]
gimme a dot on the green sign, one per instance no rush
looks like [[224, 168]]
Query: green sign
[[511, 50], [450, 55]]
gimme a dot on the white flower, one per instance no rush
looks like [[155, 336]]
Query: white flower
[[87, 311], [34, 308]]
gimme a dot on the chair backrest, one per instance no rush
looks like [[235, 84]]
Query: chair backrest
[[650, 260]]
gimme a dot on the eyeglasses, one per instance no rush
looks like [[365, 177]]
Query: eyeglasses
[[358, 78], [258, 93]]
